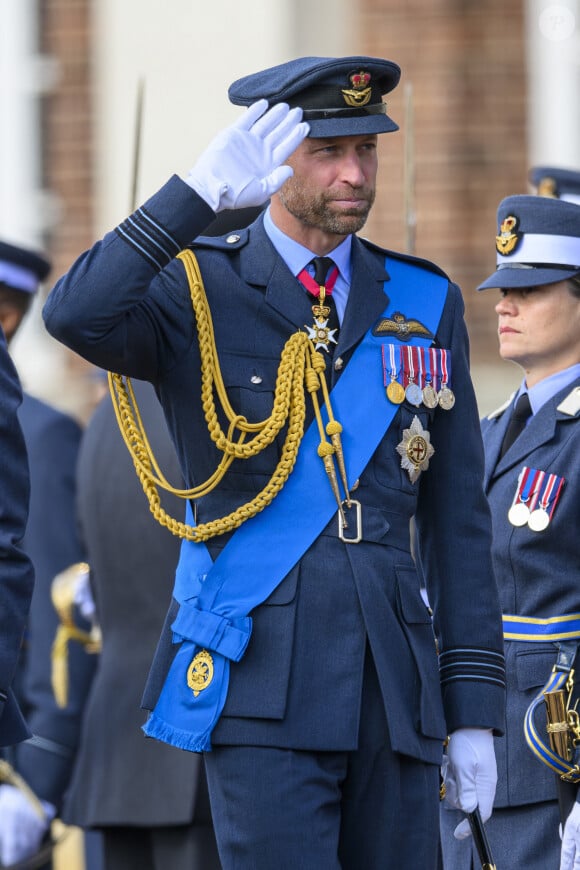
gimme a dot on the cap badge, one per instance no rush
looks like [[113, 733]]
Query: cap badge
[[547, 187], [399, 326], [507, 240], [360, 93]]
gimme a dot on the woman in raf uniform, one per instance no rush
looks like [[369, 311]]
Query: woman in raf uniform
[[532, 479]]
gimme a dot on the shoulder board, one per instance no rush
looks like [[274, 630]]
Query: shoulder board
[[571, 403], [417, 261], [499, 411], [231, 241]]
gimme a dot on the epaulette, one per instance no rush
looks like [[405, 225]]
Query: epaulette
[[499, 411], [407, 258], [571, 404], [231, 241]]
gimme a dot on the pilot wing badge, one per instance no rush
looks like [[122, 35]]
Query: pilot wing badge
[[402, 328]]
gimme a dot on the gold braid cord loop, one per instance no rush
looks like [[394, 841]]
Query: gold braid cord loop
[[301, 368]]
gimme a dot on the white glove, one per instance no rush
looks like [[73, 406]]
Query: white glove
[[21, 828], [83, 597], [470, 774], [242, 166], [570, 855]]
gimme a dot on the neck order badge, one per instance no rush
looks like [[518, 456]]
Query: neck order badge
[[213, 626]]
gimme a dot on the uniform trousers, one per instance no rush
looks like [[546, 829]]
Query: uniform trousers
[[519, 837], [303, 810]]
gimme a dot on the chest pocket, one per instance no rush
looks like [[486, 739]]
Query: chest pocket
[[250, 384]]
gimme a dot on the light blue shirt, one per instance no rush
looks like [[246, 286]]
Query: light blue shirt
[[297, 257], [541, 392]]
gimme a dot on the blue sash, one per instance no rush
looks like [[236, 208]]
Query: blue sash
[[212, 625]]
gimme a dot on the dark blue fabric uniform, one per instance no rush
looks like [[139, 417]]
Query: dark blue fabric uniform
[[536, 577], [16, 572], [344, 609], [52, 542]]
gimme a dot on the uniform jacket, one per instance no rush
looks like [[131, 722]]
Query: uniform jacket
[[299, 683], [16, 572], [537, 573], [120, 777], [52, 542]]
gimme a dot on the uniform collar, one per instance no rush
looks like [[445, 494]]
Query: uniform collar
[[545, 389]]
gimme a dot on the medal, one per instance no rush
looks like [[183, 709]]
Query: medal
[[415, 449], [446, 396], [519, 511], [413, 392], [430, 399], [518, 514], [548, 495], [320, 332], [395, 393], [394, 389], [539, 520]]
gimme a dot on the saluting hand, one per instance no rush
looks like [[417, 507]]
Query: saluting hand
[[242, 166]]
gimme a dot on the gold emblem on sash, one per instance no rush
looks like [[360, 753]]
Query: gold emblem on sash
[[507, 240], [360, 93], [200, 672]]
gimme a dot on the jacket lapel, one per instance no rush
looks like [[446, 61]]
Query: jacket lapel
[[366, 299], [261, 266]]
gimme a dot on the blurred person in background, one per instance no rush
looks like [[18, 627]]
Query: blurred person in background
[[16, 571], [532, 479], [556, 182], [51, 541], [149, 802]]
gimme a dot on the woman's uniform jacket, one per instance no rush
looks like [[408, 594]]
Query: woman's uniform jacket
[[537, 573], [125, 305], [16, 572]]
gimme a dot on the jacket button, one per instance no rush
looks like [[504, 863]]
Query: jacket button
[[256, 379], [338, 364]]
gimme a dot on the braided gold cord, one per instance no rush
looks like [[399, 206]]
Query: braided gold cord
[[300, 366]]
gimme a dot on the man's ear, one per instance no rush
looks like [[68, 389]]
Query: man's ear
[[10, 320]]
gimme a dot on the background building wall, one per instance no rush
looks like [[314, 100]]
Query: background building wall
[[486, 90]]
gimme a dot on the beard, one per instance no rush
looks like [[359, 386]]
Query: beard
[[316, 210]]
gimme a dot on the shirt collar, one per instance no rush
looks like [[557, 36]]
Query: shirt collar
[[545, 389]]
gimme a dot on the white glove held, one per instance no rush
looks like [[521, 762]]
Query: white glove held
[[84, 597], [242, 166], [21, 828], [470, 774], [570, 855]]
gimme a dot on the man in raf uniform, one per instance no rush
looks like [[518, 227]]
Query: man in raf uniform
[[532, 479], [298, 653]]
